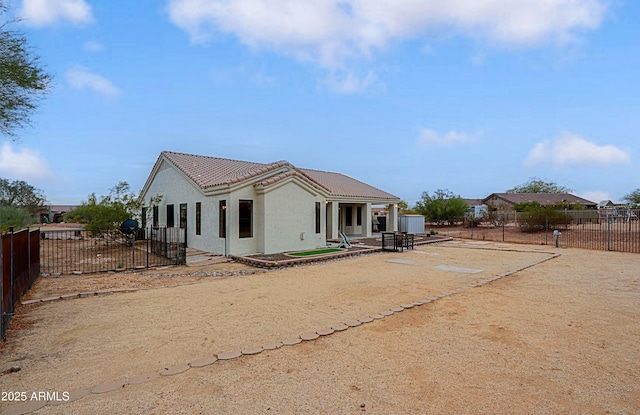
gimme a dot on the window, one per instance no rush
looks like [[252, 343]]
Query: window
[[198, 218], [222, 219], [317, 217], [144, 217], [155, 216], [245, 219], [183, 215], [348, 213], [359, 216], [170, 217]]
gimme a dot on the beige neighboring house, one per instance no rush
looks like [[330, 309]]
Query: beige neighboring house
[[509, 200], [234, 207]]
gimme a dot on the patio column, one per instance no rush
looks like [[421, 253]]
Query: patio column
[[392, 218], [332, 220], [367, 221]]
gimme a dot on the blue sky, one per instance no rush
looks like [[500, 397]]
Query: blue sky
[[406, 95]]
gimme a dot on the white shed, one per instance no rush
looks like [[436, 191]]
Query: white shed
[[411, 223]]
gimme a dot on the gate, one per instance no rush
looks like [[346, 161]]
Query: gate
[[19, 268]]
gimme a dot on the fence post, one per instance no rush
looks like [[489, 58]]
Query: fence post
[[1, 287], [28, 257], [546, 230], [11, 271], [608, 233]]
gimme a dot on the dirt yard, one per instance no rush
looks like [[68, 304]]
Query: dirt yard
[[555, 335]]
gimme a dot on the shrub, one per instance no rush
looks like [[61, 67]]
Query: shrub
[[14, 216]]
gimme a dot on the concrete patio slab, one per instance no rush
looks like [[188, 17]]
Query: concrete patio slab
[[400, 261], [462, 270]]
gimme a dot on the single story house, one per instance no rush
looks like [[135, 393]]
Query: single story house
[[476, 207], [509, 200], [235, 207]]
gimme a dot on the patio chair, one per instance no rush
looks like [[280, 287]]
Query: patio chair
[[344, 241]]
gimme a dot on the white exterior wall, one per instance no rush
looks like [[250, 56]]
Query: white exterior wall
[[175, 190], [249, 245], [290, 211]]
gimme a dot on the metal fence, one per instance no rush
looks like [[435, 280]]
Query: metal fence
[[19, 268], [587, 229], [81, 251]]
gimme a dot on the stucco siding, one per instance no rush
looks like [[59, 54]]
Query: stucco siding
[[290, 219], [176, 190]]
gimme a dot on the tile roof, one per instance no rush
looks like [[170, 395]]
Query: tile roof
[[542, 198], [343, 185], [206, 171]]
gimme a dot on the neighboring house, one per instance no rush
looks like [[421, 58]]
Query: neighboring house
[[502, 201], [606, 204], [54, 213], [234, 207], [476, 207]]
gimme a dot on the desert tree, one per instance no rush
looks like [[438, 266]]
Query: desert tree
[[103, 213], [20, 194], [441, 206], [537, 185], [23, 81], [633, 198]]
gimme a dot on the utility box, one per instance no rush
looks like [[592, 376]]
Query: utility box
[[411, 223]]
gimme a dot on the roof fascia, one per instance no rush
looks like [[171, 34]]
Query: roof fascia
[[298, 180], [359, 199], [226, 187]]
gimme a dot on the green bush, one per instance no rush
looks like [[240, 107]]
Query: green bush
[[535, 217], [14, 216], [441, 207]]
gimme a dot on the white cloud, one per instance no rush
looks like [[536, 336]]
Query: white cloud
[[45, 12], [24, 165], [80, 77], [93, 46], [572, 150], [428, 138], [349, 83], [330, 32]]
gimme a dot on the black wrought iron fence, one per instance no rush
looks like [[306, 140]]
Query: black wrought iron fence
[[609, 230], [81, 251], [19, 268]]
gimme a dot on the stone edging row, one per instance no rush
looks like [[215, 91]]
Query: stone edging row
[[263, 263], [31, 406]]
